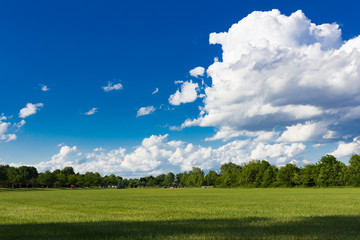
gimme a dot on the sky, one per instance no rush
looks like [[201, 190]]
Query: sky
[[138, 88]]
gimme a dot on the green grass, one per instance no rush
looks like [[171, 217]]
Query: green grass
[[283, 213]]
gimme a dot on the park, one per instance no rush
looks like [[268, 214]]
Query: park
[[186, 213]]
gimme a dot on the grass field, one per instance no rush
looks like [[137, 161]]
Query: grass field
[[283, 213]]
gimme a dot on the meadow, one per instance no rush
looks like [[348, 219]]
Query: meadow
[[192, 213]]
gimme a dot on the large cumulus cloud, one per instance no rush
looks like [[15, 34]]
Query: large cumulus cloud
[[283, 73], [156, 155]]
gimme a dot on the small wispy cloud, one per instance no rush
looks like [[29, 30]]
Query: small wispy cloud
[[44, 88], [145, 111], [98, 149], [155, 91], [91, 111], [111, 87]]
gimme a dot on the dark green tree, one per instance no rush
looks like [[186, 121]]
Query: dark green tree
[[309, 174], [229, 175], [13, 176], [27, 175], [120, 184], [61, 179], [46, 179], [3, 175], [354, 170], [68, 171], [269, 177], [252, 173], [332, 172], [169, 178], [287, 175], [211, 178], [72, 180], [160, 179], [195, 177]]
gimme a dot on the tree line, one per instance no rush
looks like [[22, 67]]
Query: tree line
[[327, 172]]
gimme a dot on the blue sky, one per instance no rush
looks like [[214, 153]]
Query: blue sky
[[77, 49]]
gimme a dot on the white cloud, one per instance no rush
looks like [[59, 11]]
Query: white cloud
[[156, 155], [30, 109], [187, 94], [155, 91], [145, 111], [281, 152], [44, 88], [198, 71], [3, 131], [99, 149], [6, 127], [282, 71], [91, 111], [20, 124], [305, 132], [347, 149], [317, 145], [65, 157], [111, 87]]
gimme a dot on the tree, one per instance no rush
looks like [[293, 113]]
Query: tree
[[210, 178], [287, 175], [180, 179], [331, 171], [80, 180], [13, 176], [160, 179], [46, 179], [120, 184], [68, 171], [3, 175], [169, 178], [354, 170], [252, 173], [61, 179], [269, 177], [195, 177], [133, 183], [111, 180], [27, 175], [309, 174], [72, 179], [229, 175], [150, 181]]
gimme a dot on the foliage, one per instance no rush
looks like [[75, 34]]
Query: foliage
[[260, 174]]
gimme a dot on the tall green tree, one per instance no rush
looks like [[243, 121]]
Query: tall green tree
[[47, 178], [354, 170], [309, 174], [169, 178], [27, 175], [13, 176], [195, 177], [332, 172], [3, 175], [120, 184], [211, 178], [253, 172], [160, 179], [72, 180], [269, 177], [229, 175], [68, 171], [287, 175], [61, 179]]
